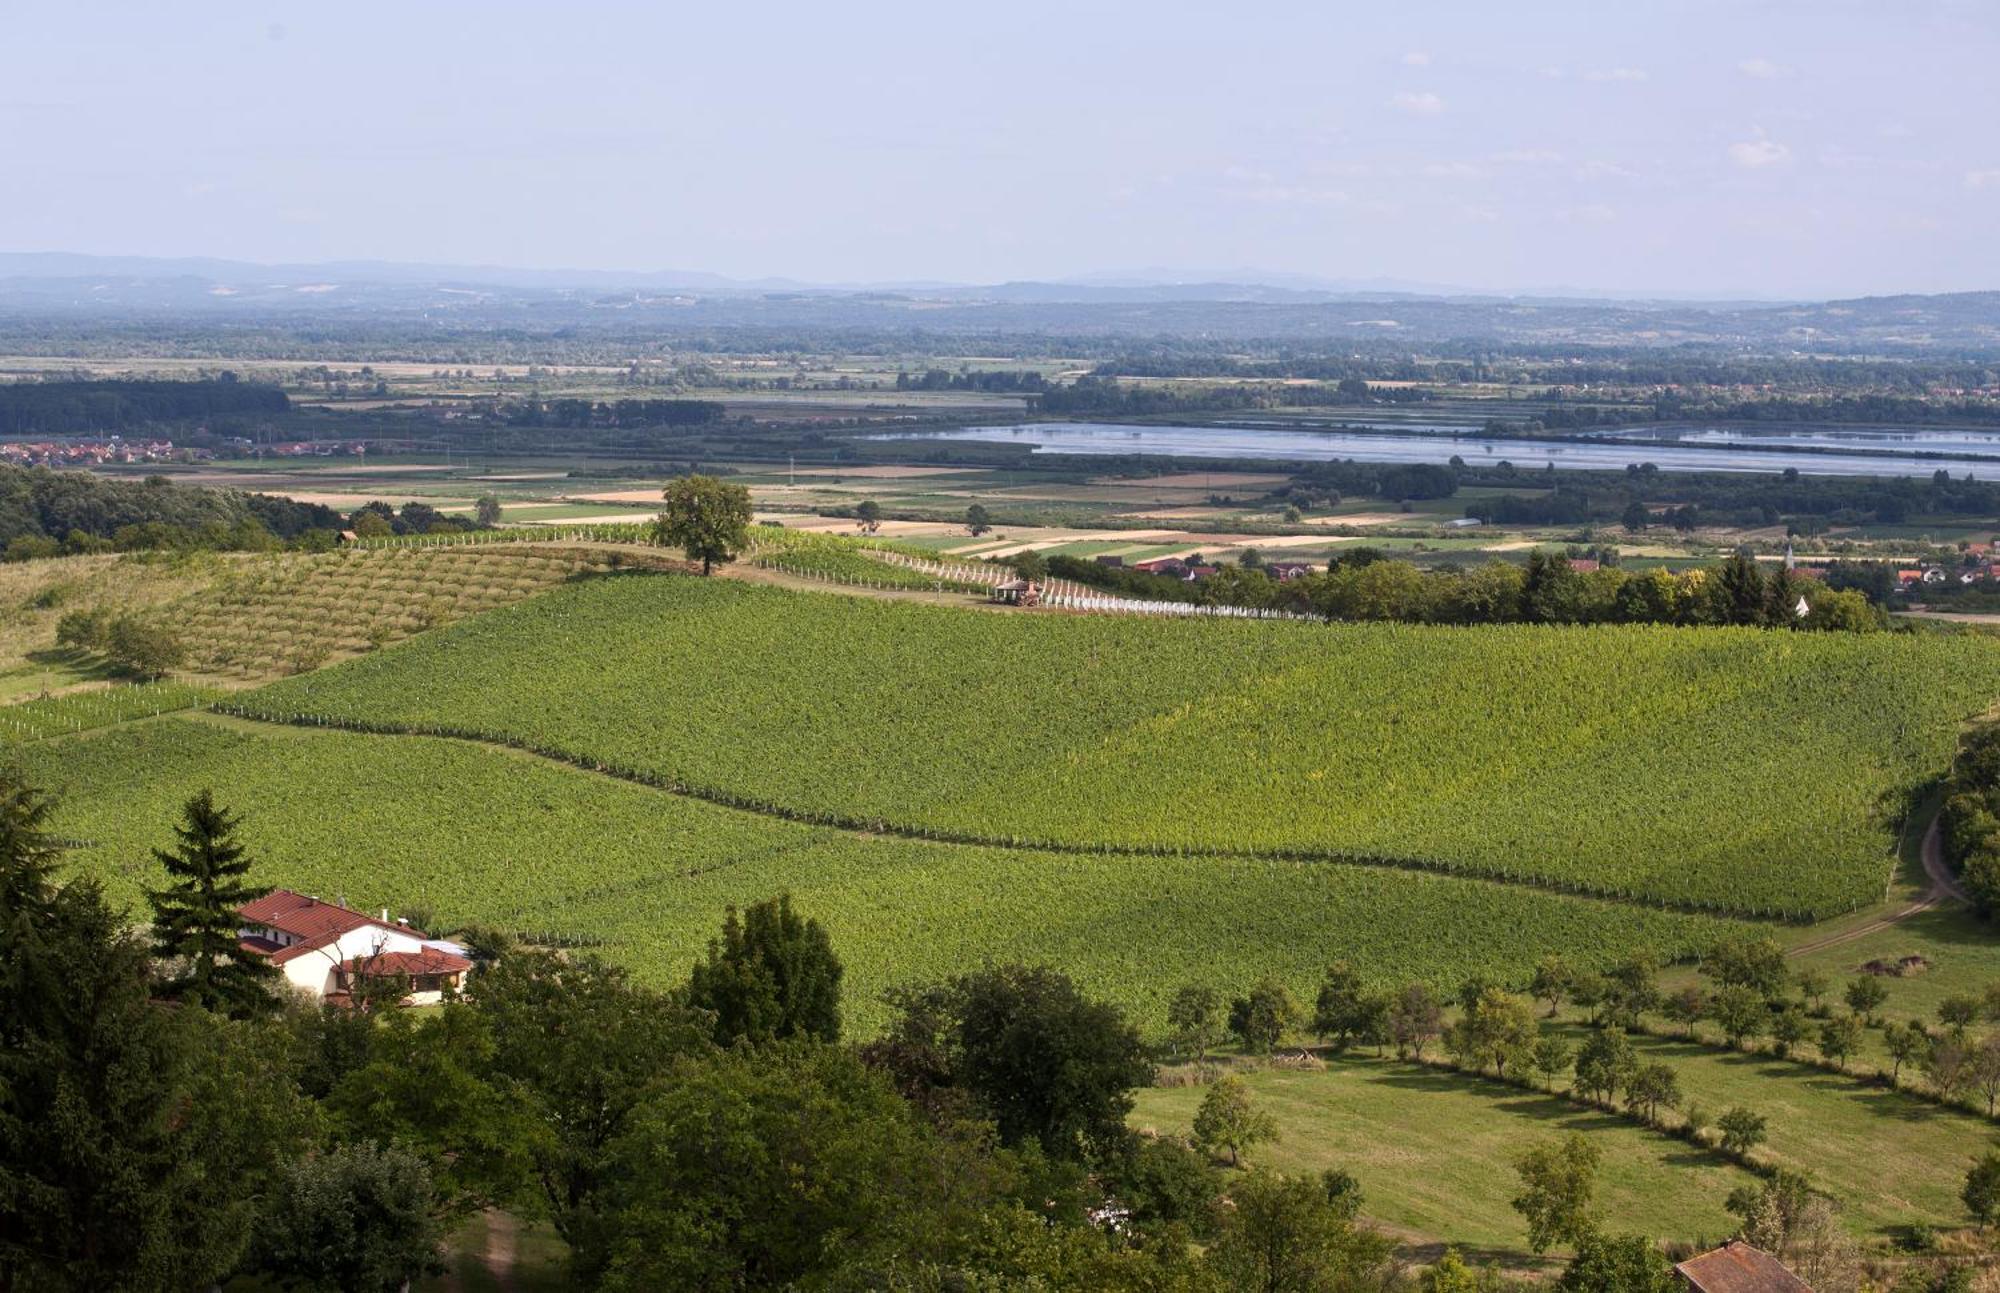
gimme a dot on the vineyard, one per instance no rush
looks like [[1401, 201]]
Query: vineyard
[[39, 720], [843, 560], [290, 615], [1734, 771], [558, 854], [250, 618]]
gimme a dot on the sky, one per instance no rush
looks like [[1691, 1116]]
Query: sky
[[1802, 148]]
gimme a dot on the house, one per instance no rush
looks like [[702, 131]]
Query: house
[[325, 949], [1018, 592], [1739, 1268], [1461, 523], [1283, 570], [1583, 565], [1172, 567]]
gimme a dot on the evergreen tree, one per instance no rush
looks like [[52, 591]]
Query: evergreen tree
[[195, 917], [134, 1141], [772, 974]]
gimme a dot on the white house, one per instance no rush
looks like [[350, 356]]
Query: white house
[[323, 948]]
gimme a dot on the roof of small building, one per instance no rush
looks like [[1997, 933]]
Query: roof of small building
[[430, 960], [1739, 1268]]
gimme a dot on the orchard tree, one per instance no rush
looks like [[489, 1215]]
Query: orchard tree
[[1742, 1130], [706, 518], [1982, 1189], [1653, 1087], [869, 513], [1261, 1019], [1552, 1058], [1552, 981], [1687, 1008], [1865, 995], [195, 918], [1227, 1121], [1558, 1181], [1907, 1043], [1195, 1016], [1839, 1037], [978, 520], [1416, 1017], [487, 510], [1338, 1011]]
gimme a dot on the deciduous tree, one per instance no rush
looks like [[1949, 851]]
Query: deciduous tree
[[1226, 1120], [771, 975], [706, 518], [1558, 1183]]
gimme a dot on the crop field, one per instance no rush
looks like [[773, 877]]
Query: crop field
[[1740, 771], [477, 834]]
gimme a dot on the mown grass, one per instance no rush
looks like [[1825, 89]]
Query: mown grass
[[1434, 1150]]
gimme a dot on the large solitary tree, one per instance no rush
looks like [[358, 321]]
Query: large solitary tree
[[706, 518], [195, 919]]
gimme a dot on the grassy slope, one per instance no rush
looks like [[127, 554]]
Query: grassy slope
[[1434, 1150], [1711, 766], [504, 838]]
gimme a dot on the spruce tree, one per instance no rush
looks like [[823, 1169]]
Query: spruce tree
[[195, 917]]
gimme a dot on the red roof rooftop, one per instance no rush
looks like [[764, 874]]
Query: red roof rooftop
[[431, 960], [312, 921], [1740, 1268]]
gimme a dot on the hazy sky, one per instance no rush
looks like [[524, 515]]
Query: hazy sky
[[1761, 146]]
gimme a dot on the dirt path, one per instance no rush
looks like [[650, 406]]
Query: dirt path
[[502, 1232], [1944, 886]]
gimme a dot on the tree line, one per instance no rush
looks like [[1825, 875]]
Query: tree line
[[1364, 584], [44, 513], [52, 408]]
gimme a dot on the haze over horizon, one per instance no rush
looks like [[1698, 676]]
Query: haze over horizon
[[1721, 148]]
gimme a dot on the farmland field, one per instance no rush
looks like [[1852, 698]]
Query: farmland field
[[477, 834], [1734, 770]]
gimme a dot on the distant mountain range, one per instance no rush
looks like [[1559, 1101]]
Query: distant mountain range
[[63, 274], [358, 296]]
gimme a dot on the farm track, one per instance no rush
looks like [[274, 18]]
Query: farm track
[[1944, 887], [891, 830]]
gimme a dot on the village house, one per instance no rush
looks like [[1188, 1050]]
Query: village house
[[1739, 1268], [324, 949]]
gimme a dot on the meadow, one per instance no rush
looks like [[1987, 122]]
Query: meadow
[[474, 834], [1737, 771]]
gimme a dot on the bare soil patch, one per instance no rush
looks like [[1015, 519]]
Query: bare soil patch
[[1196, 480]]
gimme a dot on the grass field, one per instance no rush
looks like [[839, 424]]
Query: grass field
[[1434, 1151], [1738, 770], [499, 837]]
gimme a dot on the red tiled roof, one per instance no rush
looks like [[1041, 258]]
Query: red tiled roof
[[430, 960], [312, 921], [1739, 1268], [261, 946]]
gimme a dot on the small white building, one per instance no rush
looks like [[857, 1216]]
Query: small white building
[[324, 949]]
